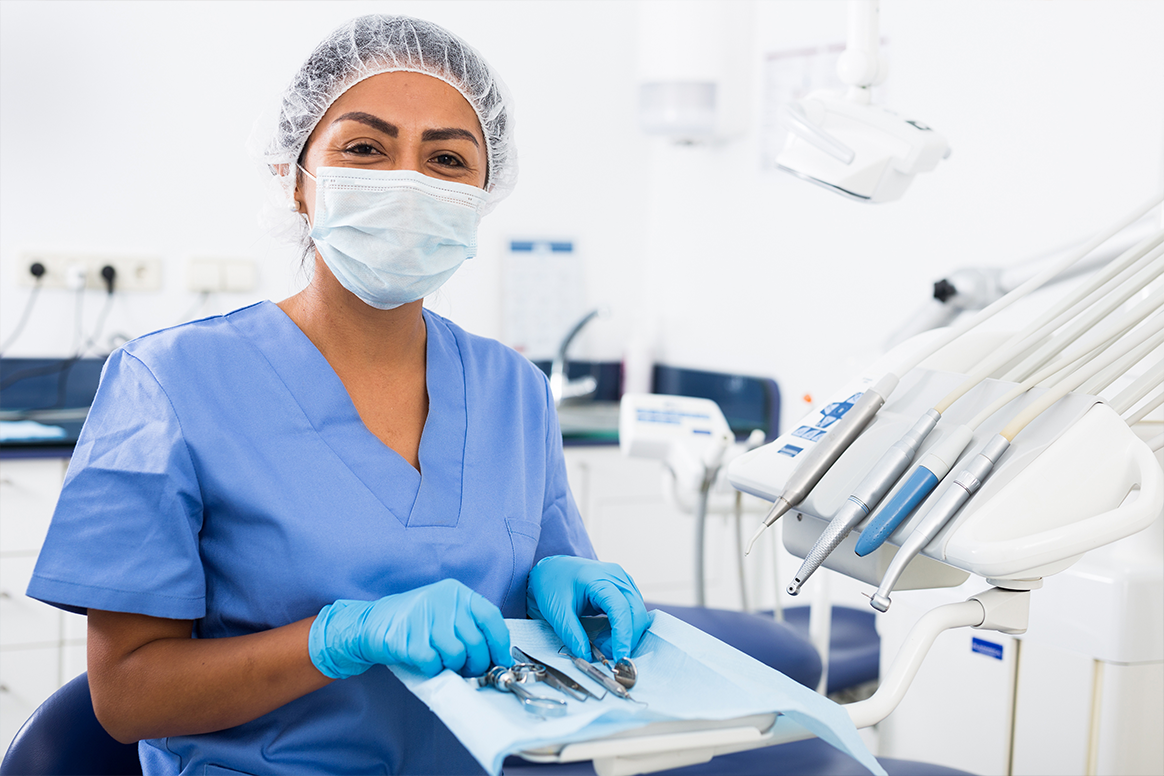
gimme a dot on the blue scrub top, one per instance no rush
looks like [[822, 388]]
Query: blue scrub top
[[224, 476]]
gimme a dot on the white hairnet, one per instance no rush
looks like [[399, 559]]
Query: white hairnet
[[374, 44]]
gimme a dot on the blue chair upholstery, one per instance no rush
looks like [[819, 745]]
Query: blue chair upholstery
[[812, 757], [773, 643], [854, 646], [64, 738]]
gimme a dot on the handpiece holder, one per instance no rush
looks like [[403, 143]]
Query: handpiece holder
[[1075, 479]]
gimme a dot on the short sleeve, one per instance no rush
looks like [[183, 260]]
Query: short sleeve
[[563, 532], [124, 536]]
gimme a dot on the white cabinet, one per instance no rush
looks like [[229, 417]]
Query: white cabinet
[[38, 643], [29, 675], [28, 494]]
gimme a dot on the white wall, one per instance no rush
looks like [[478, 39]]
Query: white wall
[[125, 125], [123, 129]]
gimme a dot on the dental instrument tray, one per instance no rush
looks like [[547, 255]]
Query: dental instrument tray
[[1076, 478], [693, 696]]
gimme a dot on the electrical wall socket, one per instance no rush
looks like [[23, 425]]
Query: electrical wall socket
[[211, 275], [70, 270]]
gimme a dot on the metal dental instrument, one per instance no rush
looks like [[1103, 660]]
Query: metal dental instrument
[[624, 670], [604, 679], [864, 498], [828, 450], [555, 678], [925, 477], [506, 680], [1128, 351], [936, 465], [1127, 274]]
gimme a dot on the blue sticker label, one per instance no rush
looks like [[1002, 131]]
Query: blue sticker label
[[529, 246], [790, 450], [809, 433], [988, 648], [837, 410]]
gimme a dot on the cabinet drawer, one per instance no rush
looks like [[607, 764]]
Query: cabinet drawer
[[29, 488], [26, 620]]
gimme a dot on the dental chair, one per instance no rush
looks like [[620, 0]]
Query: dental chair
[[64, 738], [854, 646], [781, 646]]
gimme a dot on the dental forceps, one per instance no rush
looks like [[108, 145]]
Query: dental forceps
[[553, 677], [511, 680]]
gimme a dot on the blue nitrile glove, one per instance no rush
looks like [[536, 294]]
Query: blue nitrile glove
[[562, 588], [438, 626]]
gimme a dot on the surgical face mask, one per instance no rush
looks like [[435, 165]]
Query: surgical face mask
[[393, 236]]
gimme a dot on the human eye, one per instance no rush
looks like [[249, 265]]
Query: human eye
[[361, 148], [447, 160]]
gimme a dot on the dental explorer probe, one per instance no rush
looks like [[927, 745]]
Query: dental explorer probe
[[1137, 345], [925, 478], [827, 451], [888, 469], [864, 497], [856, 508]]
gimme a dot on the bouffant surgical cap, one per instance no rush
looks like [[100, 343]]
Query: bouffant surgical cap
[[370, 45]]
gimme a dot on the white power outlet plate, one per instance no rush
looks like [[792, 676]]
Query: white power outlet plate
[[64, 270]]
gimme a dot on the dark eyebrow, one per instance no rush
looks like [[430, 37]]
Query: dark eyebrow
[[374, 122], [449, 133]]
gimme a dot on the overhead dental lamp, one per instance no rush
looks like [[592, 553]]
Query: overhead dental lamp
[[845, 143]]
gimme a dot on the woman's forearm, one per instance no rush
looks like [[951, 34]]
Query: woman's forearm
[[150, 679]]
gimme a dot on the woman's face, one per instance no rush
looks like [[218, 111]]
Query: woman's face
[[397, 121]]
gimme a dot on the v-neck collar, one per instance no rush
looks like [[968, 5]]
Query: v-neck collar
[[430, 497]]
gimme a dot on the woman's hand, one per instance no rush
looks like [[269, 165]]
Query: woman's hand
[[562, 588], [438, 626]]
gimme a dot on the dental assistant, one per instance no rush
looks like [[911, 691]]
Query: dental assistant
[[267, 508]]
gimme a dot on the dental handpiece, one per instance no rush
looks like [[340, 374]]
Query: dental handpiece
[[964, 486], [865, 496], [821, 458], [1129, 350], [917, 486]]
